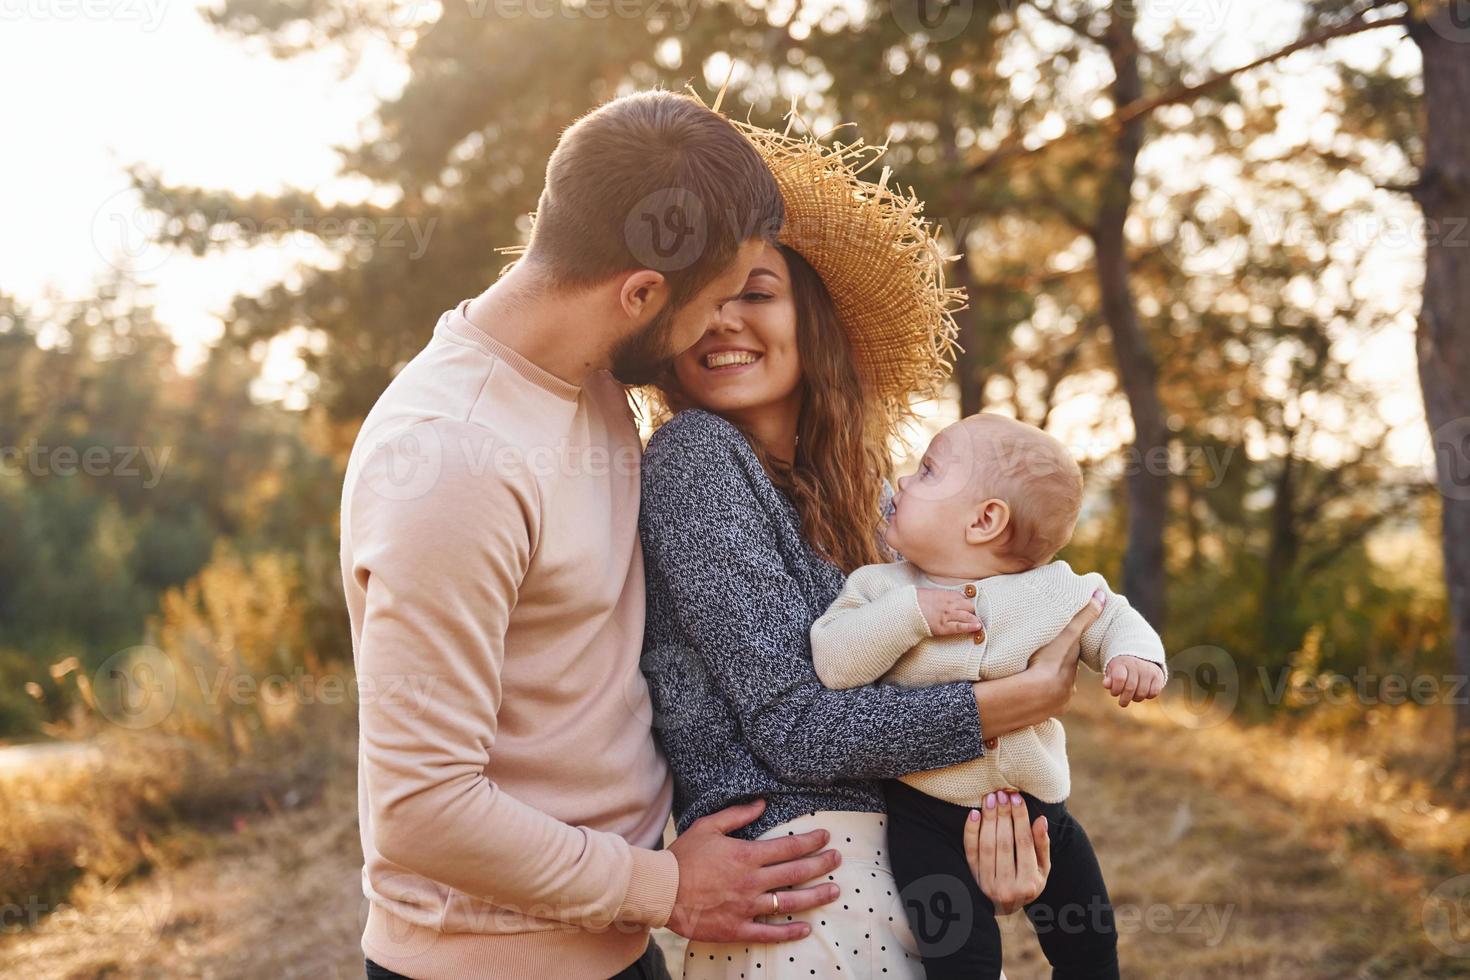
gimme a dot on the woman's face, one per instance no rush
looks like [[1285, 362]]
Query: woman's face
[[747, 361]]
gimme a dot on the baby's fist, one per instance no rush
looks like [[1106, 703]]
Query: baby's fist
[[1133, 679], [948, 612]]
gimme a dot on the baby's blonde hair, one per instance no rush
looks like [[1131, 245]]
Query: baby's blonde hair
[[1037, 478]]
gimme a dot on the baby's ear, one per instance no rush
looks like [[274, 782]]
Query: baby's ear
[[991, 521]]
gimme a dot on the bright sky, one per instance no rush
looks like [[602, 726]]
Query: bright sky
[[95, 85]]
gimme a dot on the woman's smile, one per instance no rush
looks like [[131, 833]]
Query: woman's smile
[[728, 360]]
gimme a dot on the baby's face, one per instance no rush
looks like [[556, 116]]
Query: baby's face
[[990, 493], [935, 504]]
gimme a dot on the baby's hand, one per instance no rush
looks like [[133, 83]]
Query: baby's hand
[[1133, 679], [947, 612]]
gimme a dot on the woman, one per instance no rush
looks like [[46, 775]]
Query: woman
[[758, 497]]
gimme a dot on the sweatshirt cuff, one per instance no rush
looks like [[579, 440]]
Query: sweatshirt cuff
[[917, 623], [652, 888]]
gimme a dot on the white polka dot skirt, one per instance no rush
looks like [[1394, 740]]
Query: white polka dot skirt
[[862, 934]]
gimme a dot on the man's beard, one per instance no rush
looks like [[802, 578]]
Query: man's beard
[[645, 357]]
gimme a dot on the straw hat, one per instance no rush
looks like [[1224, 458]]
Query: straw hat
[[878, 258]]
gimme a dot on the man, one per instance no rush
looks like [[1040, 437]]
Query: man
[[511, 824]]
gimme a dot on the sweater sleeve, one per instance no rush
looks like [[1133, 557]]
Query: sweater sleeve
[[867, 628], [441, 572], [711, 546], [1120, 630]]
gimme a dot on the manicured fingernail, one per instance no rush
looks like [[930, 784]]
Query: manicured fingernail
[[974, 815], [1098, 597], [990, 801], [1015, 799]]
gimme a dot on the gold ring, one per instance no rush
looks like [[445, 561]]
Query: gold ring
[[775, 903]]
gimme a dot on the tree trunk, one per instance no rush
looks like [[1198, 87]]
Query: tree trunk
[[1444, 320], [975, 361], [1281, 556], [977, 353], [1148, 472]]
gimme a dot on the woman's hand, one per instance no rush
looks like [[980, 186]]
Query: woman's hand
[[1041, 691], [1056, 663], [1009, 862]]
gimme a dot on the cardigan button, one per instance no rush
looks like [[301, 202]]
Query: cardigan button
[[979, 636], [969, 590], [990, 744]]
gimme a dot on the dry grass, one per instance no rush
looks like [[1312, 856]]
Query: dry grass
[[1231, 851], [90, 838], [273, 896], [1256, 853]]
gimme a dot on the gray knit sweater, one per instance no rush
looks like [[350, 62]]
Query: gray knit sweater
[[733, 590]]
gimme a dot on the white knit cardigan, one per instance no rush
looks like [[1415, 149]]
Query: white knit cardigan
[[875, 631]]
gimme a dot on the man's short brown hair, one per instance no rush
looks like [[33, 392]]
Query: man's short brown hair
[[652, 180]]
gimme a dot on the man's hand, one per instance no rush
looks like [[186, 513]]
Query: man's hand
[[1009, 862], [1133, 679], [948, 612], [725, 882]]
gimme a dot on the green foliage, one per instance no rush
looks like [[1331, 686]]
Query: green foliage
[[1375, 609], [121, 477]]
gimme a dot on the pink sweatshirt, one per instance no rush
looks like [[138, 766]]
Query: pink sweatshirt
[[509, 786]]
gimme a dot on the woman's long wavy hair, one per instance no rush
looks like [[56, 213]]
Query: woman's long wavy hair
[[836, 478]]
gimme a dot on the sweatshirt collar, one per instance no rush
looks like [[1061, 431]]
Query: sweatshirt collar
[[457, 322]]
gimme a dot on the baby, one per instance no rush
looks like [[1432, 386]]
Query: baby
[[976, 594]]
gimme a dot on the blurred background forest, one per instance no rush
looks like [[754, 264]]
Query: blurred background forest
[[1231, 271]]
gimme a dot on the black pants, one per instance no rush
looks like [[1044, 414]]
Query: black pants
[[649, 966], [952, 920]]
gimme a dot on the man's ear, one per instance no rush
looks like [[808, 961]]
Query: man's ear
[[990, 522], [642, 293]]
